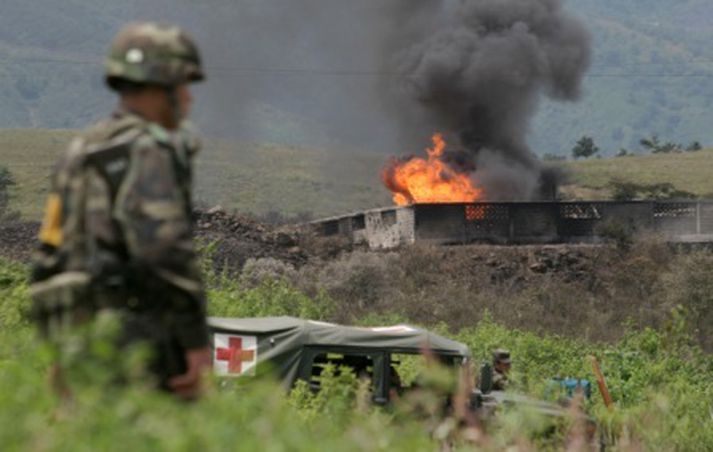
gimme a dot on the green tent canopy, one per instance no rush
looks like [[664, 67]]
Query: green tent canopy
[[292, 346]]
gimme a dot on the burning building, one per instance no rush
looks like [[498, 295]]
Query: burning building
[[476, 70]]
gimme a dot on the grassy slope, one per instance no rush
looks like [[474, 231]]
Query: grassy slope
[[247, 177], [268, 177], [30, 155], [689, 171]]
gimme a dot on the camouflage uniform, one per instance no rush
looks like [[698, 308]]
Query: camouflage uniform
[[117, 233], [500, 379]]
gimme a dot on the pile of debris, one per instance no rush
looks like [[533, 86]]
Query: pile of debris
[[231, 239]]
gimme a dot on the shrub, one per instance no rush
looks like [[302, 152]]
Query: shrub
[[690, 284], [619, 232], [357, 280], [661, 381], [14, 299], [257, 271], [584, 148], [628, 191], [270, 298]]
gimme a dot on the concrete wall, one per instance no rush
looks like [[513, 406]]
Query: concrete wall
[[522, 223], [390, 228]]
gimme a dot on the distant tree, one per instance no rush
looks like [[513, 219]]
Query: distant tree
[[584, 148], [655, 146], [650, 144], [623, 153], [668, 147], [549, 157], [694, 147]]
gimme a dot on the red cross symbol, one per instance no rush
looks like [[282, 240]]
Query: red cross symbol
[[235, 355]]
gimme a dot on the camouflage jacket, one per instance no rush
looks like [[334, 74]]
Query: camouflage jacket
[[500, 381], [120, 211]]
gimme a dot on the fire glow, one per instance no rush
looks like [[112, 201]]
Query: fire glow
[[431, 180]]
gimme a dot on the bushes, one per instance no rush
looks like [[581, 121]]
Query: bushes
[[269, 298], [661, 382], [629, 191], [14, 301], [258, 271], [691, 285]]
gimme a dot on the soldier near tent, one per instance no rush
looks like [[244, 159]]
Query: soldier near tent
[[117, 233], [501, 369]]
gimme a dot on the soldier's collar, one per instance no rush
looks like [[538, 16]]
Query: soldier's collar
[[185, 135]]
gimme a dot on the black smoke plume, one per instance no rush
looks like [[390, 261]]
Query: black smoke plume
[[386, 74], [478, 69]]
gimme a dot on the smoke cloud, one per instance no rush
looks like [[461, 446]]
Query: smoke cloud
[[386, 74], [479, 69], [296, 71]]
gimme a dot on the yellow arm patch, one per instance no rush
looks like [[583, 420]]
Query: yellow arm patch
[[51, 231]]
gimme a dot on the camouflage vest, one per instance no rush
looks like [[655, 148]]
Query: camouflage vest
[[83, 246]]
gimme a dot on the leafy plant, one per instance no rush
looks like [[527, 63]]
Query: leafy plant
[[655, 146], [584, 148], [628, 191]]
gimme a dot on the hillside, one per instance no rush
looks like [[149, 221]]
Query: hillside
[[264, 178], [687, 171], [652, 73], [256, 178]]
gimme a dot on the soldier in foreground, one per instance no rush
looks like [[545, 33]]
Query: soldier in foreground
[[117, 233], [501, 369]]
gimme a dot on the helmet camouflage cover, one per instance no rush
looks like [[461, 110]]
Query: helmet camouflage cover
[[153, 54]]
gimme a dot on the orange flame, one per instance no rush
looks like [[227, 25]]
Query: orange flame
[[431, 180]]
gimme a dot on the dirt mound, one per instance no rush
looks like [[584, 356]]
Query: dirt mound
[[586, 291], [229, 239], [18, 240]]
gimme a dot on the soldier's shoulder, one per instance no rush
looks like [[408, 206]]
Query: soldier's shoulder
[[125, 132], [117, 128]]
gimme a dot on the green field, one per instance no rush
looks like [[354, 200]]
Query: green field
[[689, 171], [256, 178], [260, 178]]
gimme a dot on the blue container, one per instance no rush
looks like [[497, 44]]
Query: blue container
[[571, 386]]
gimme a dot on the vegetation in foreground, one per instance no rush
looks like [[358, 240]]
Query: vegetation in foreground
[[662, 384]]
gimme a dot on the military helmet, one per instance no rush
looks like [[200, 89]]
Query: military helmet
[[501, 356], [148, 53]]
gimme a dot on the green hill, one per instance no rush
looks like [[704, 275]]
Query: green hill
[[652, 73], [688, 171], [257, 178]]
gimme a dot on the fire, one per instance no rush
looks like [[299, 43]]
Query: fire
[[430, 180]]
